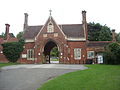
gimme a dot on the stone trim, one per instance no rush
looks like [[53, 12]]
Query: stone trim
[[29, 40], [76, 39]]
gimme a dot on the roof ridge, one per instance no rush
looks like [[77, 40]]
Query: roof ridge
[[58, 24], [69, 24], [99, 41], [35, 25], [70, 30]]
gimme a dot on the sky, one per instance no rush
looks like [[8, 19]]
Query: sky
[[63, 11]]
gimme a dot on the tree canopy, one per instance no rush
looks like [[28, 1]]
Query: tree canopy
[[105, 34], [54, 52], [11, 35], [98, 32], [20, 37], [112, 53], [118, 37], [2, 35]]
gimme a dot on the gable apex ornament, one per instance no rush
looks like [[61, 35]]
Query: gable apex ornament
[[50, 12]]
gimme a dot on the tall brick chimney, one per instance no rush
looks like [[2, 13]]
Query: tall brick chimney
[[84, 22], [7, 32], [113, 35], [25, 22]]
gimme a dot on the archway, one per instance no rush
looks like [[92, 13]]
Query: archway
[[48, 48]]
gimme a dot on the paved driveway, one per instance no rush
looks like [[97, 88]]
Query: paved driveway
[[30, 77]]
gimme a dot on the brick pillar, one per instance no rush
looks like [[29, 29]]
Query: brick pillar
[[84, 22], [113, 35], [7, 32]]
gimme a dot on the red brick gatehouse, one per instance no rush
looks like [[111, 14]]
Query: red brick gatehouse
[[70, 39]]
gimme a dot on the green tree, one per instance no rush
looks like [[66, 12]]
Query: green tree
[[2, 35], [105, 34], [93, 31], [54, 52], [11, 35], [118, 37], [98, 32], [112, 54], [20, 37], [12, 50]]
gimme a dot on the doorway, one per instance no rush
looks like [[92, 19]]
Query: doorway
[[51, 52], [100, 58]]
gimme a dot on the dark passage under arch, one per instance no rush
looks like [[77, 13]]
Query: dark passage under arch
[[47, 49]]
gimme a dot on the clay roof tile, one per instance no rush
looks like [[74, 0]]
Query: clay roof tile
[[70, 30]]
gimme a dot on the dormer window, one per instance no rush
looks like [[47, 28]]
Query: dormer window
[[50, 27]]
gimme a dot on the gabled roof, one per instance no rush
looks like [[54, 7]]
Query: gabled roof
[[70, 30], [11, 39], [73, 30], [32, 31]]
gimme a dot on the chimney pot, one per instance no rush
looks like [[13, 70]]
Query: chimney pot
[[113, 30], [25, 14], [83, 11], [7, 25]]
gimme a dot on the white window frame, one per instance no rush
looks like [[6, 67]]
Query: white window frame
[[89, 54], [77, 53], [30, 54], [50, 27]]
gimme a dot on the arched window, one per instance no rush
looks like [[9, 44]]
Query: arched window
[[50, 27]]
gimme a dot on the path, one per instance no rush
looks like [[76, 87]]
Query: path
[[30, 77]]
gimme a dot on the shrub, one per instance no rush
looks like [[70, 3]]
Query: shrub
[[12, 50], [112, 54]]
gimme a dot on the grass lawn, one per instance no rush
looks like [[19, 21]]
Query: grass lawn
[[97, 77], [7, 64]]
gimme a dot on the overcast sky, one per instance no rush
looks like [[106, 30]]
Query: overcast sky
[[63, 11]]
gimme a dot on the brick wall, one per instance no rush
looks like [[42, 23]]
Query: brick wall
[[73, 45]]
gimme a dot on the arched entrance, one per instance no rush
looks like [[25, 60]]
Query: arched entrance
[[49, 46]]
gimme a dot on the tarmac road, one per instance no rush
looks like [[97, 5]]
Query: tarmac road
[[31, 77]]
